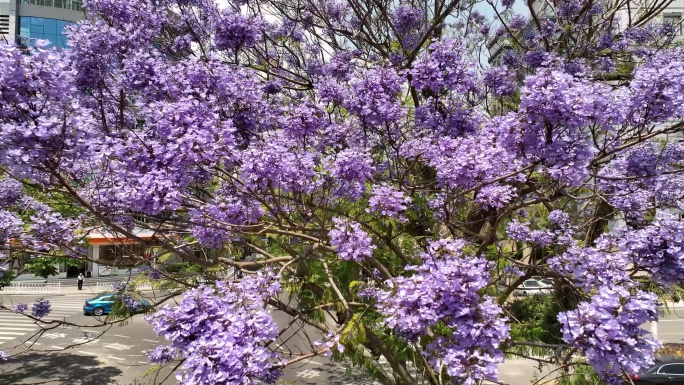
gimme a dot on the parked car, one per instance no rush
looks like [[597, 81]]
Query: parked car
[[103, 303], [669, 373], [532, 287]]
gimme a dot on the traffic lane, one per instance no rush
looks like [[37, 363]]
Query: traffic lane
[[119, 351], [57, 369], [297, 338]]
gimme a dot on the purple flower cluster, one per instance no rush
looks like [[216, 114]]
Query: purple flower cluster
[[10, 226], [495, 195], [658, 248], [3, 356], [500, 81], [643, 175], [19, 308], [235, 31], [222, 332], [11, 192], [445, 67], [407, 19], [216, 222], [49, 227], [40, 308], [151, 272], [162, 354], [330, 342], [388, 201], [130, 303], [591, 268], [375, 96], [121, 286], [608, 329], [351, 169], [350, 242], [446, 289]]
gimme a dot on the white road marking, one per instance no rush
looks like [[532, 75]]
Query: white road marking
[[308, 373], [115, 358], [119, 335], [87, 353], [156, 342]]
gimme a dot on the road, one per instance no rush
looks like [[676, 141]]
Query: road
[[116, 355]]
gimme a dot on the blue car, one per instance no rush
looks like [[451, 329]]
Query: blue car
[[102, 304]]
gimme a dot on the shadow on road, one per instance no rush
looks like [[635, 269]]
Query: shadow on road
[[62, 368]]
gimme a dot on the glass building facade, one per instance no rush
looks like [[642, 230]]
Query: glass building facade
[[42, 28]]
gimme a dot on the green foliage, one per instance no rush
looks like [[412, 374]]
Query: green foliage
[[42, 266], [579, 375], [7, 278], [535, 319]]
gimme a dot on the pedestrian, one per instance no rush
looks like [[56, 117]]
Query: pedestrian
[[80, 281]]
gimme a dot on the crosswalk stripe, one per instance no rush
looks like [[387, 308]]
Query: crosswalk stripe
[[18, 318], [13, 325]]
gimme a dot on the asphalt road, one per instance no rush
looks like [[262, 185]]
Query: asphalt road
[[116, 355], [97, 354]]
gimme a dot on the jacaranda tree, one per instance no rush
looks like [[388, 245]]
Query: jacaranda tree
[[364, 173]]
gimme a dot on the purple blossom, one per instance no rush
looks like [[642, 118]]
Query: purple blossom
[[11, 192], [350, 242], [10, 226], [500, 81], [121, 286], [518, 231], [659, 248], [351, 169], [162, 354], [388, 201], [559, 218], [40, 308], [495, 195], [517, 22], [3, 356], [19, 308], [374, 96], [235, 31], [221, 332], [446, 288], [445, 67], [330, 342], [608, 329], [130, 303], [407, 19]]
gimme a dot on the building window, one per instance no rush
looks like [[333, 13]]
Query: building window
[[122, 255], [40, 28], [74, 5], [675, 19]]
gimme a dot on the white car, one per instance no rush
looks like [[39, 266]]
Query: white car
[[532, 287]]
